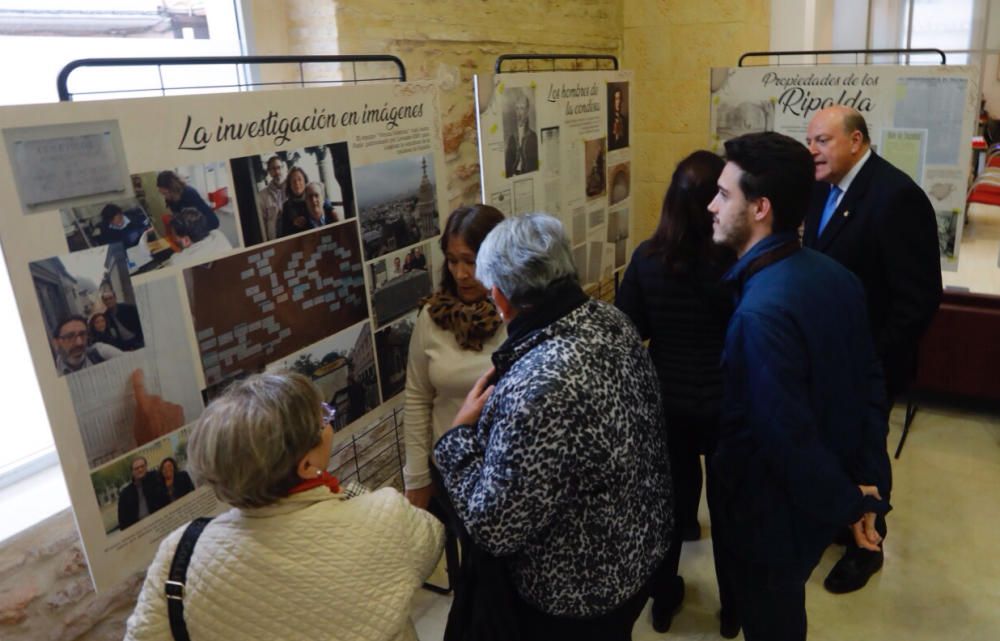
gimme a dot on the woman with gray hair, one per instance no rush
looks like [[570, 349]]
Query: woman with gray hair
[[293, 559], [557, 460]]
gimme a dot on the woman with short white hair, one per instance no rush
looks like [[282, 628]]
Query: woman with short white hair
[[557, 461], [294, 558]]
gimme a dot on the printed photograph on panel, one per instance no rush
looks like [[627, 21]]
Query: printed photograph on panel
[[88, 305], [947, 227], [123, 221], [392, 344], [143, 394], [399, 281], [343, 368], [618, 109], [579, 226], [746, 117], [594, 266], [580, 262], [618, 235], [142, 483], [191, 210], [519, 126], [397, 204], [256, 307], [619, 177], [291, 191], [595, 168], [67, 164]]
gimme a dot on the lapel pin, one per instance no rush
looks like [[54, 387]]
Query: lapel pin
[[846, 213]]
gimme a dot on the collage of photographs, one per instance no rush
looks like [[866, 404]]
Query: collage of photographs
[[577, 168], [292, 259]]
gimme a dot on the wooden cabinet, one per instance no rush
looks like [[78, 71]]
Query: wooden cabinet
[[960, 353]]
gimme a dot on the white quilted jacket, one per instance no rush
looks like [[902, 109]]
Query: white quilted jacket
[[314, 566]]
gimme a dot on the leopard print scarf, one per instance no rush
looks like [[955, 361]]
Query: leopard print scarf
[[472, 324]]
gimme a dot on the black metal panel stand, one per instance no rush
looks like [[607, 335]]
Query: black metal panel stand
[[856, 52], [237, 61], [597, 59]]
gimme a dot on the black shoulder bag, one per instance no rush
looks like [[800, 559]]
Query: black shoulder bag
[[174, 587]]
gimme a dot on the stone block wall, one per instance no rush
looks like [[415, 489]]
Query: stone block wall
[[671, 45], [46, 593]]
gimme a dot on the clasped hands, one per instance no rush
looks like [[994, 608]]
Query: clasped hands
[[865, 534]]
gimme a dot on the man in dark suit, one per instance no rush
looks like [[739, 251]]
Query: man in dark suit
[[123, 319], [873, 219], [144, 495], [521, 155]]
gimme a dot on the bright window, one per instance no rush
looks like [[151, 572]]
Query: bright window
[[39, 37]]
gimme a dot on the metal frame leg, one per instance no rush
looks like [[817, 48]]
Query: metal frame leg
[[911, 411]]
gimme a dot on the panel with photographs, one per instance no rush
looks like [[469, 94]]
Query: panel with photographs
[[581, 165], [149, 284]]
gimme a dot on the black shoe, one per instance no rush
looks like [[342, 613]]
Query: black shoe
[[666, 605], [692, 531], [853, 570], [729, 625]]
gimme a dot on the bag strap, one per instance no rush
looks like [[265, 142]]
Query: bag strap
[[769, 258], [174, 587]]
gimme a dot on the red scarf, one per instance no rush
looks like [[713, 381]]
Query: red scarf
[[325, 478]]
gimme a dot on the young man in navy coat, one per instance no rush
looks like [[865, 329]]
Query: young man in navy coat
[[873, 219], [801, 451]]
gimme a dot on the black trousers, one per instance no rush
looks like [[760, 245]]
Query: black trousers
[[615, 625], [687, 439], [770, 609]]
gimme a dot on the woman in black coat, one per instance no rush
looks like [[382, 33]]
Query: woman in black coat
[[672, 292], [177, 482]]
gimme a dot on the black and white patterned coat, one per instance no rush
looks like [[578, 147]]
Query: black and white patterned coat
[[566, 471]]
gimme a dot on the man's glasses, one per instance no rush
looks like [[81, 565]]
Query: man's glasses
[[72, 336], [329, 413]]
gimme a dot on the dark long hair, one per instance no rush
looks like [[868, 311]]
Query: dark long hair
[[170, 181], [684, 236], [471, 223], [288, 183]]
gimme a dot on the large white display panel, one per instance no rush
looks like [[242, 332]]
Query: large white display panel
[[559, 142], [921, 119], [134, 323]]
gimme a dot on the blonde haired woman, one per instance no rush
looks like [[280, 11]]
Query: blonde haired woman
[[294, 558]]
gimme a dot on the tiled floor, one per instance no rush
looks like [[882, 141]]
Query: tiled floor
[[941, 580]]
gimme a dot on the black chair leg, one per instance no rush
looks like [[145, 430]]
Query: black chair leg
[[911, 410]]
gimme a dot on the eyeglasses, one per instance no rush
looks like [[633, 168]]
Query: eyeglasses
[[329, 413], [72, 336]]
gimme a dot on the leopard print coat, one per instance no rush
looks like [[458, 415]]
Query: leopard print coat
[[566, 471]]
